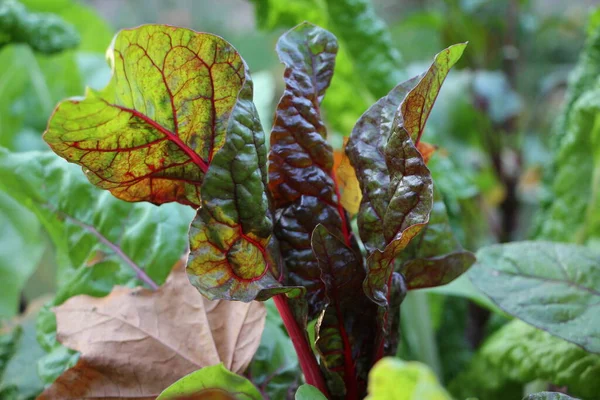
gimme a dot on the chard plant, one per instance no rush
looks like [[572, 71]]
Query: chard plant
[[177, 123]]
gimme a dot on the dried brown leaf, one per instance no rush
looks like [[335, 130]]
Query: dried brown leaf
[[135, 342]]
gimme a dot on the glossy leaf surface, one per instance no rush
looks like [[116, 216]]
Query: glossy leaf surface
[[301, 178], [549, 285], [211, 383], [153, 131], [233, 252], [365, 149]]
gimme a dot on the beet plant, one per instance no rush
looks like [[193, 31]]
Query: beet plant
[[177, 123]]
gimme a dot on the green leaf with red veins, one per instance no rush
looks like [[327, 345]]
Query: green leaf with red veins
[[233, 253], [346, 329], [434, 257], [151, 134], [419, 102], [301, 178]]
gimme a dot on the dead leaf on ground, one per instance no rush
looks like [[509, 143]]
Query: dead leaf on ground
[[135, 342]]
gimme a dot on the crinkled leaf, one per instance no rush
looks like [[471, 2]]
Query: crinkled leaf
[[549, 285], [548, 396], [519, 353], [211, 383], [410, 194], [44, 32], [356, 23], [233, 252], [274, 367], [434, 257], [154, 130], [392, 378], [348, 95], [309, 392], [136, 342], [346, 330], [365, 149], [301, 178], [574, 214], [570, 213]]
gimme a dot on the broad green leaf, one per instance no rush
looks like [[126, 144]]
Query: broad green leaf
[[21, 248], [347, 329], [45, 33], [356, 23], [95, 249], [233, 252], [154, 130], [549, 285], [214, 382], [392, 378], [548, 396], [309, 392], [571, 210], [275, 367], [301, 178], [519, 353]]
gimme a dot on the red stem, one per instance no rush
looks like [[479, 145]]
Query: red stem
[[308, 362]]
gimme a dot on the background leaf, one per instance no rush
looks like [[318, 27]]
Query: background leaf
[[549, 285], [18, 377], [309, 392], [21, 230], [519, 353], [93, 247], [548, 396], [401, 380], [211, 383]]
